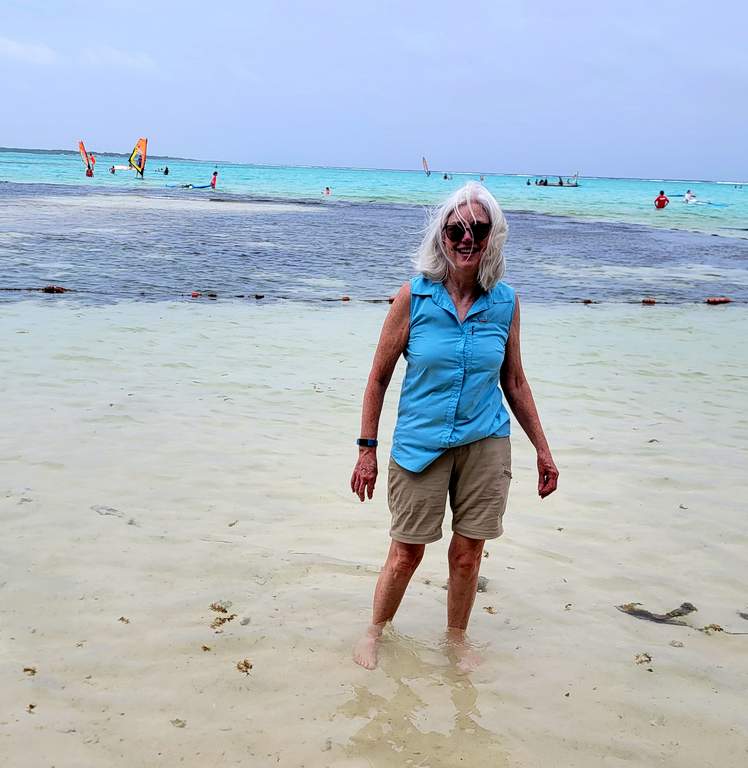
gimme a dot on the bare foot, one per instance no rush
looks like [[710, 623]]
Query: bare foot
[[366, 650], [467, 659]]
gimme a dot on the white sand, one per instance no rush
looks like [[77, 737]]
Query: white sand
[[157, 458]]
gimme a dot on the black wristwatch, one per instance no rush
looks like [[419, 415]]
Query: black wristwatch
[[367, 442]]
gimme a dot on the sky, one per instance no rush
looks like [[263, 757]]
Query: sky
[[642, 89]]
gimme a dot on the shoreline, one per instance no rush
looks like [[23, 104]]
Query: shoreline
[[44, 295]]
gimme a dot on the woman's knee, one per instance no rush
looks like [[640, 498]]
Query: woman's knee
[[405, 558], [465, 562]]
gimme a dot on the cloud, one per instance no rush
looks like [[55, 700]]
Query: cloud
[[29, 53], [107, 57]]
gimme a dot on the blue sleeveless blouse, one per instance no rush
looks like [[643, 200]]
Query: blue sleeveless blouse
[[450, 394]]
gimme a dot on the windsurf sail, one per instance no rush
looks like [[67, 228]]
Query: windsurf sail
[[426, 168], [138, 156], [88, 160]]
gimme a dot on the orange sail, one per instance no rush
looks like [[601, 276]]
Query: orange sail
[[426, 168], [138, 156], [88, 160]]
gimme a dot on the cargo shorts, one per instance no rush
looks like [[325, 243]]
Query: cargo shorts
[[476, 479]]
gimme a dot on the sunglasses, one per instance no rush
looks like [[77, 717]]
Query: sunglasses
[[478, 230]]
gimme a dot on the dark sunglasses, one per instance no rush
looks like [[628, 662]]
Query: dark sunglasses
[[479, 231]]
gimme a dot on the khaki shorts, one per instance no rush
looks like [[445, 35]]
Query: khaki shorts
[[476, 476]]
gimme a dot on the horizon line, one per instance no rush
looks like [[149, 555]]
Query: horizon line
[[42, 150]]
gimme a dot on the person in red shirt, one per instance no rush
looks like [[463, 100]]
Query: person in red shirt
[[661, 200], [213, 180]]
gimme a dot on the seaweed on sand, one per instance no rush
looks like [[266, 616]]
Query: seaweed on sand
[[671, 617]]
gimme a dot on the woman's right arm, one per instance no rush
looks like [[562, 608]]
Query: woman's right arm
[[392, 343]]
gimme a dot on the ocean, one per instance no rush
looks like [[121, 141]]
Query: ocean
[[270, 231]]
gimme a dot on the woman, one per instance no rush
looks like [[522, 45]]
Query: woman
[[457, 325]]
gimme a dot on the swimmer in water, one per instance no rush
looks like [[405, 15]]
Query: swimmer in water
[[661, 200]]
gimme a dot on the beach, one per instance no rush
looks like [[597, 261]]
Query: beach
[[159, 458]]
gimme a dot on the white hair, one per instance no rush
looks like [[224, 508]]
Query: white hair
[[431, 257]]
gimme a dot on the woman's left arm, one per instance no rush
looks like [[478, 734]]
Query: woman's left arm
[[518, 394]]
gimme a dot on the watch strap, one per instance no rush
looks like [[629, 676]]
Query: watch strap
[[367, 442]]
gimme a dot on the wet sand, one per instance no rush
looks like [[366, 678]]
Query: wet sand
[[157, 458]]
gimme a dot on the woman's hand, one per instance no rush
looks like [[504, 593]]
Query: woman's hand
[[547, 475], [364, 475]]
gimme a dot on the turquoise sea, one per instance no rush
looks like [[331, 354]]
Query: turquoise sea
[[722, 206], [270, 232]]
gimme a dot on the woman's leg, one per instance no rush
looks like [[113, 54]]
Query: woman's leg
[[402, 561], [464, 564]]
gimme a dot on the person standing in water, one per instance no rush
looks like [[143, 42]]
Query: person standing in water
[[214, 180], [457, 325], [166, 170], [661, 200]]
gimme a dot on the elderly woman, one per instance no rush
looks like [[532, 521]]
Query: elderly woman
[[457, 325]]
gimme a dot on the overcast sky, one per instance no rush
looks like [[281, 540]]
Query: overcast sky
[[647, 89]]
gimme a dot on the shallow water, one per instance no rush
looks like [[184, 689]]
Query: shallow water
[[722, 207], [107, 246], [157, 457]]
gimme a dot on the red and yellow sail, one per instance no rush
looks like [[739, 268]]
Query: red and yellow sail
[[88, 160], [139, 155]]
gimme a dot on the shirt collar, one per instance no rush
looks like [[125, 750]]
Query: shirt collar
[[440, 296]]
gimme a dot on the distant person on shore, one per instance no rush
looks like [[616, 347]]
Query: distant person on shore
[[214, 180], [661, 200], [166, 170], [560, 182], [457, 325]]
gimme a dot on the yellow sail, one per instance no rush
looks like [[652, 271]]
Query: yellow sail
[[138, 156]]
